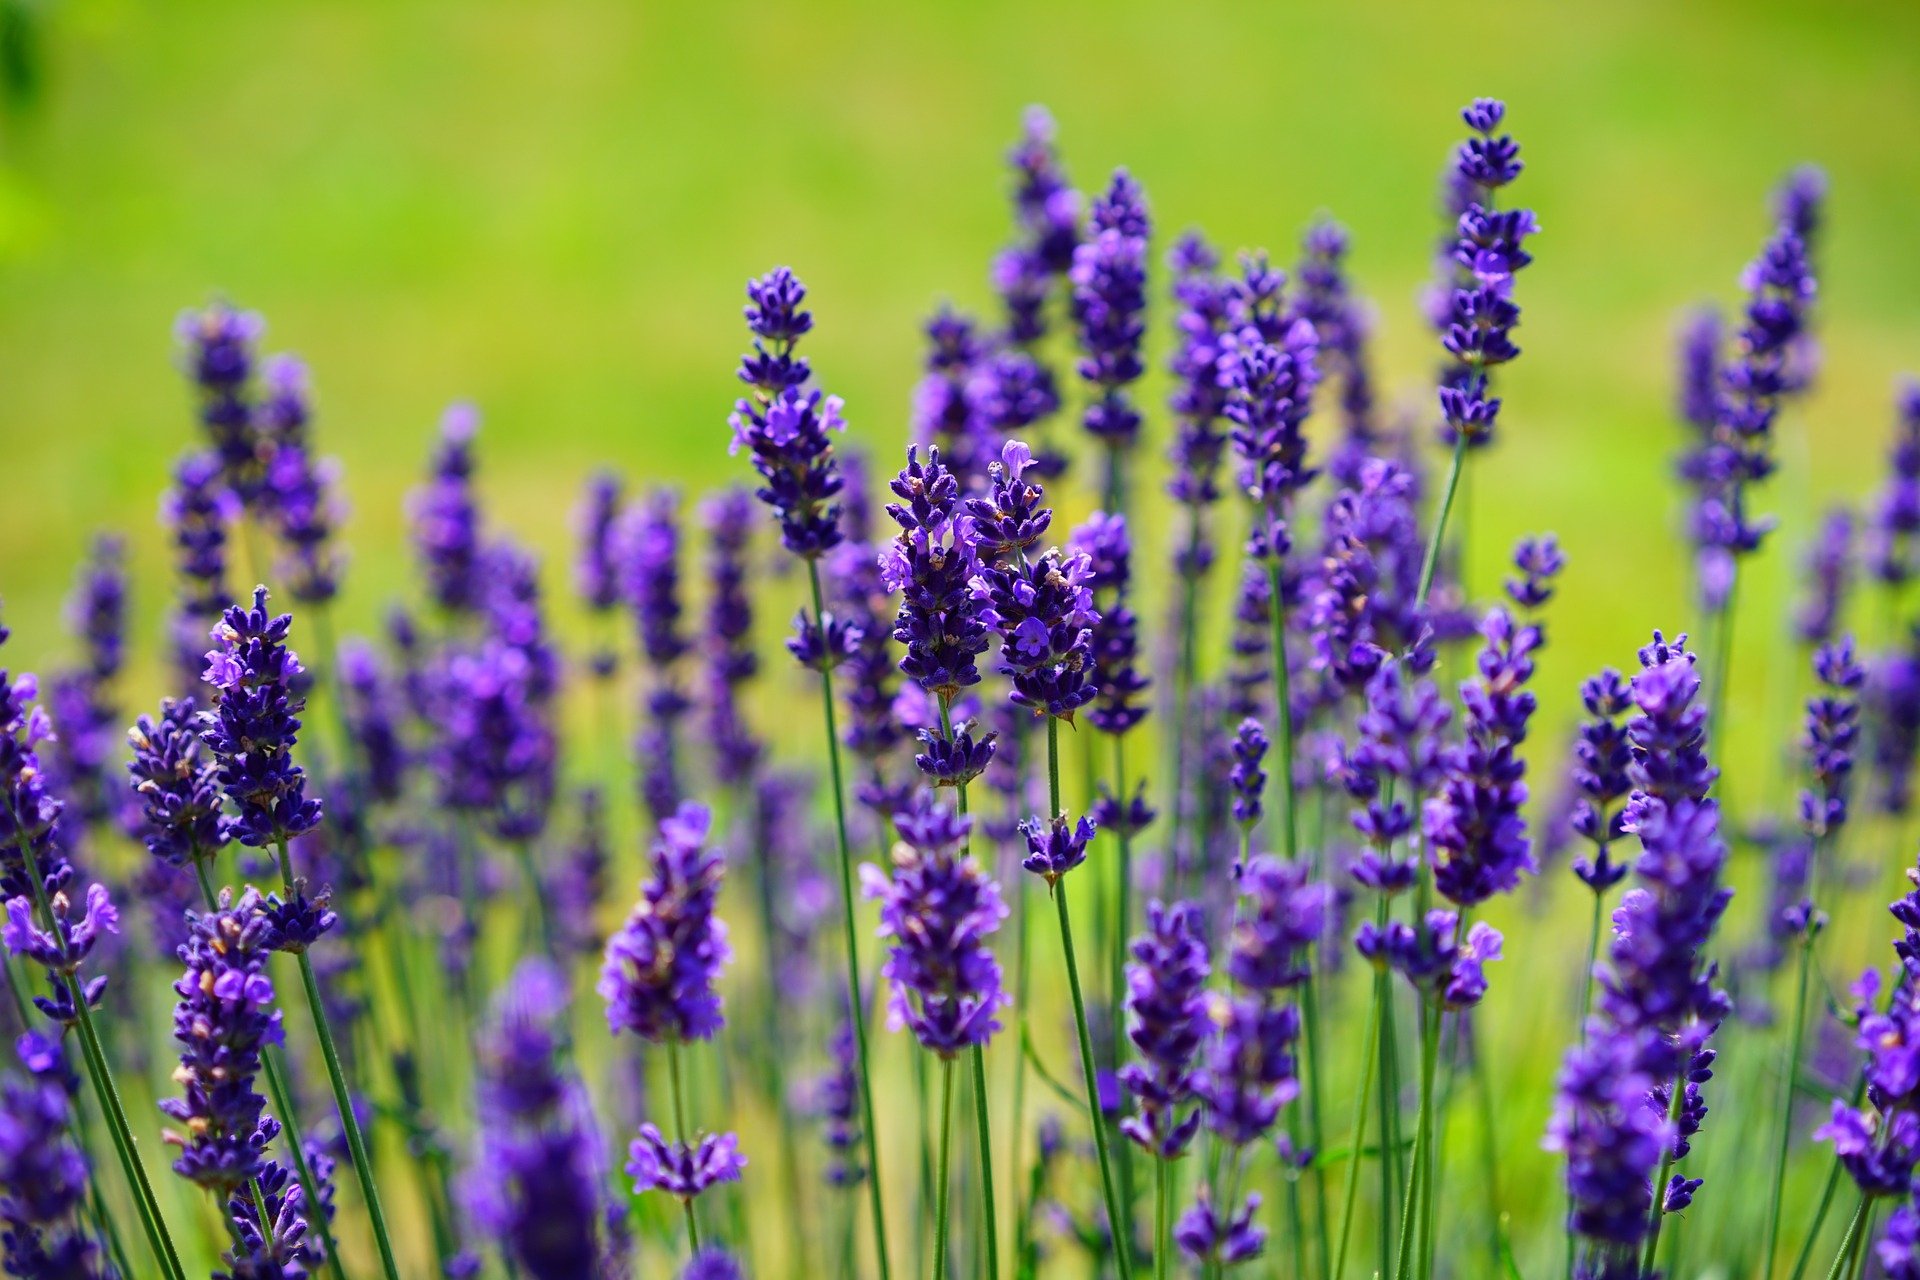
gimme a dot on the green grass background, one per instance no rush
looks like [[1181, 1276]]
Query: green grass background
[[550, 209]]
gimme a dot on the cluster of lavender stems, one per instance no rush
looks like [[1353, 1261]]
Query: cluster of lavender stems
[[1350, 788]]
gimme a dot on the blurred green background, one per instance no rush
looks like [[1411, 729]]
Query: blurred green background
[[550, 209]]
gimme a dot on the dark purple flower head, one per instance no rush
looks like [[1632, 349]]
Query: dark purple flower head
[[1474, 824], [953, 758], [838, 1102], [496, 753], [1249, 777], [1047, 213], [1011, 518], [224, 1018], [1248, 1073], [280, 1247], [286, 403], [446, 515], [1270, 384], [1206, 1234], [1129, 815], [1829, 568], [372, 705], [43, 1175], [1012, 392], [712, 1263], [1490, 160], [946, 408], [303, 495], [1612, 1136], [1043, 611], [97, 609], [1055, 847], [730, 657], [1324, 301], [1282, 915], [784, 426], [1668, 738], [1167, 1007], [1400, 754], [1539, 561], [931, 564], [178, 785], [1833, 731], [255, 722], [218, 352], [938, 910], [1115, 634], [650, 570], [597, 570], [824, 644], [1109, 276], [1433, 957], [1600, 761], [1895, 522], [683, 1170], [661, 966], [536, 1180], [199, 509], [59, 941], [1199, 397], [29, 811], [858, 589]]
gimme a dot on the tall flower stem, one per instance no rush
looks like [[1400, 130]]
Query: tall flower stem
[[1720, 674], [983, 1131], [1117, 990], [855, 996], [1290, 846], [1431, 562], [271, 1063], [945, 1192], [1786, 1100], [1358, 1135], [342, 1097], [1162, 1218], [1122, 1229], [1419, 1188], [1184, 676], [1844, 1261], [101, 1077], [678, 1090]]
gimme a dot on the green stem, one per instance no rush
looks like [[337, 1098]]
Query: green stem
[[1819, 1220], [1162, 1212], [1122, 1229], [1419, 1192], [944, 1194], [1123, 914], [1843, 1261], [342, 1097], [1721, 674], [1358, 1135], [988, 1212], [1431, 561], [856, 997], [101, 1077], [1786, 1103], [680, 1135], [1676, 1099]]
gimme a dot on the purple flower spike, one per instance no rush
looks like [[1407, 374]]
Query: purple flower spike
[[661, 966], [1249, 778], [1206, 1235], [178, 785], [1115, 636], [224, 1019], [597, 568], [1055, 847], [199, 510], [1539, 561], [953, 759], [219, 352], [1166, 1001], [446, 516], [712, 1263], [254, 724], [785, 428], [1893, 536], [1199, 398], [1601, 758], [302, 493], [1668, 738], [1833, 731], [1270, 384], [683, 1170], [1109, 276], [1829, 573], [938, 910], [931, 564], [1474, 824]]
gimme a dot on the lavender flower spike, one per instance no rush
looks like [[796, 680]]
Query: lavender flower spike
[[1166, 998], [254, 724], [660, 970], [785, 428], [43, 1175]]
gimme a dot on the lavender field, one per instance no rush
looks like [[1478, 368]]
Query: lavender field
[[1251, 778]]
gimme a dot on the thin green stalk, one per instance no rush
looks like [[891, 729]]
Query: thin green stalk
[[1489, 1147], [773, 1026], [1843, 1261], [101, 1077], [1419, 1192], [342, 1097], [1123, 914], [944, 1193], [542, 914], [1357, 1136], [680, 1135], [1162, 1212], [1786, 1102], [1431, 561], [1819, 1220], [1721, 673], [1122, 1228], [856, 997], [989, 1213]]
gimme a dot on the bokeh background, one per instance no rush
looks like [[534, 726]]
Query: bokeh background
[[550, 209]]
